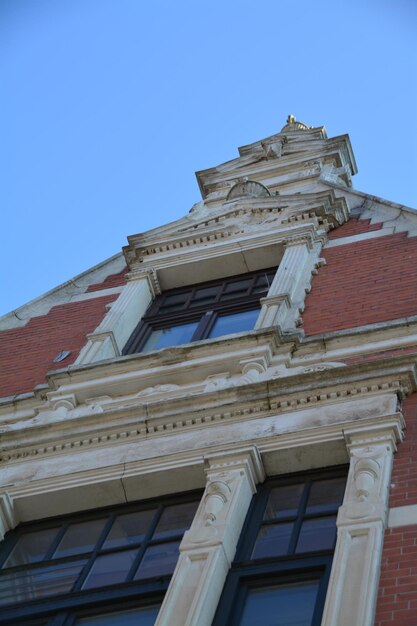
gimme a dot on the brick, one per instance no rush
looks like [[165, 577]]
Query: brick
[[114, 280], [345, 293], [38, 343]]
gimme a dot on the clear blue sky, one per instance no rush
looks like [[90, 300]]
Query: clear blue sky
[[109, 106]]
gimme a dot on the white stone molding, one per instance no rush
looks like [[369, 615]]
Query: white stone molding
[[402, 516], [208, 548], [110, 336], [282, 305], [8, 518], [361, 522]]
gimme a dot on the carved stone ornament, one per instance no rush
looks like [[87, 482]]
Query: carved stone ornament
[[292, 124], [218, 493], [248, 189], [364, 498], [366, 474]]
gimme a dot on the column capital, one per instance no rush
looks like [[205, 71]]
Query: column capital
[[151, 276], [246, 460], [386, 435], [299, 240]]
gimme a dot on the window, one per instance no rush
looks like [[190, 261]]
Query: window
[[107, 567], [202, 311], [282, 565]]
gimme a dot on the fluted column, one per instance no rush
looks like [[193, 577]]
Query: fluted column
[[293, 274], [208, 548], [110, 336]]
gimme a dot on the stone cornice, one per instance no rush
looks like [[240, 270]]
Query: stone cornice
[[107, 420]]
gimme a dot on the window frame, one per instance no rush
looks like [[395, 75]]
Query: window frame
[[206, 315], [246, 573], [63, 609]]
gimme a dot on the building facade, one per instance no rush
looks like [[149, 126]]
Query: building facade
[[218, 425]]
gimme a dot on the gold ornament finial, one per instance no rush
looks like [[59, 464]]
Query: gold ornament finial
[[291, 119]]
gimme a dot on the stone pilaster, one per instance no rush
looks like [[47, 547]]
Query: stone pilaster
[[281, 306], [110, 336], [208, 548], [353, 586], [7, 515]]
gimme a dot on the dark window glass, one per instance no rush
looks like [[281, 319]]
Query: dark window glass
[[283, 502], [80, 538], [175, 520], [326, 495], [166, 337], [175, 301], [42, 581], [110, 569], [129, 528], [205, 295], [283, 605], [237, 288], [234, 323], [144, 616], [159, 560], [317, 534], [273, 541], [197, 312], [127, 553], [31, 547]]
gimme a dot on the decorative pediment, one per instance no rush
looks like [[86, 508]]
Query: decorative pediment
[[245, 216], [248, 189]]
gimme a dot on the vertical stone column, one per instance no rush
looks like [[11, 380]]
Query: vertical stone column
[[208, 548], [110, 336], [7, 515], [353, 586], [280, 307]]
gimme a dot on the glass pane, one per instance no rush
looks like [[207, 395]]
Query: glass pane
[[174, 301], [174, 336], [129, 529], [110, 569], [175, 520], [205, 294], [39, 582], [263, 284], [145, 616], [317, 534], [283, 605], [326, 495], [283, 501], [234, 323], [31, 547], [272, 541], [237, 286], [80, 538], [159, 560]]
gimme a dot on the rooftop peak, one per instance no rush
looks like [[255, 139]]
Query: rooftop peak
[[292, 124]]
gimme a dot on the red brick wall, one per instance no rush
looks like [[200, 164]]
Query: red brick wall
[[404, 473], [370, 281], [27, 353], [397, 599], [114, 280], [354, 227]]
